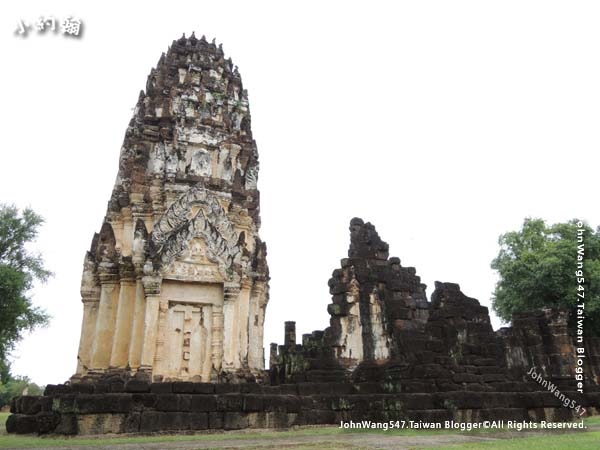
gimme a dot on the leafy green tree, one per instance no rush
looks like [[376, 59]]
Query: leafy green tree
[[19, 268], [537, 267]]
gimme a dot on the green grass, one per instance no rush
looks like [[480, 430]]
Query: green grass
[[547, 440], [31, 441], [591, 421], [571, 441], [3, 417]]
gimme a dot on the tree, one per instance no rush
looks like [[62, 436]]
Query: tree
[[19, 269], [537, 267]]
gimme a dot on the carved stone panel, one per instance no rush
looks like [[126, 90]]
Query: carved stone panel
[[189, 342], [187, 336], [193, 264]]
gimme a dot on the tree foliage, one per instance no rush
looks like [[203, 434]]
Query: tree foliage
[[19, 269], [537, 267]]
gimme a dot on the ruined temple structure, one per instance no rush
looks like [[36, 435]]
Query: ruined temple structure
[[175, 287], [175, 284], [389, 354], [383, 328]]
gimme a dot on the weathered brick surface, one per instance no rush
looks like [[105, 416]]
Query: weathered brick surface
[[102, 403], [204, 388], [150, 421], [198, 421], [183, 387], [215, 420], [204, 403], [67, 424], [235, 421], [137, 386], [161, 388]]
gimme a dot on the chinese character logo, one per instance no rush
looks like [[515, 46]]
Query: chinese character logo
[[71, 26], [44, 23]]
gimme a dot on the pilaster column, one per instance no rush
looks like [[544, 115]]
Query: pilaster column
[[162, 354], [124, 321], [138, 258], [152, 286], [128, 227], [256, 355], [217, 337], [90, 299], [107, 310], [137, 331], [231, 292], [245, 321]]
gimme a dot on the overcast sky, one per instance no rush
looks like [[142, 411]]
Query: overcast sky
[[444, 124]]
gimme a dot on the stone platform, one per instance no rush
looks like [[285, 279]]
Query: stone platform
[[140, 407]]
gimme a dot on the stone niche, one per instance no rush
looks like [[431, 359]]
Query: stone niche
[[175, 284]]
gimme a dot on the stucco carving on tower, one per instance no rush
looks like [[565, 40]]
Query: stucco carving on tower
[[175, 284]]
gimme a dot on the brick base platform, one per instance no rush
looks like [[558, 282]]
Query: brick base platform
[[140, 407]]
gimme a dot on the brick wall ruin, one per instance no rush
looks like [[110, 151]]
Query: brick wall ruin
[[383, 328], [141, 407], [175, 288]]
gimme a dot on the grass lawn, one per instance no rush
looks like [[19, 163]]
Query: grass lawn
[[546, 441], [24, 441], [570, 441], [31, 441]]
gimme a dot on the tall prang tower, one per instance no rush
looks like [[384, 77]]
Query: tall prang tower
[[175, 284]]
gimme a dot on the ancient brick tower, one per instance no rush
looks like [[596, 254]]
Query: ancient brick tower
[[175, 285]]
